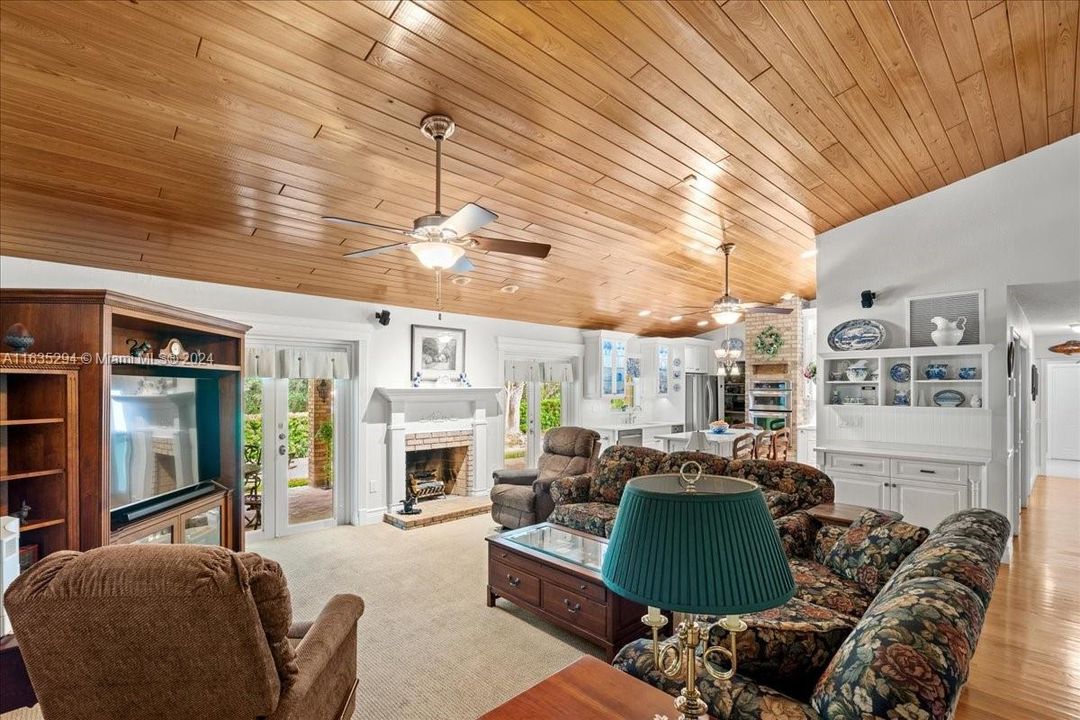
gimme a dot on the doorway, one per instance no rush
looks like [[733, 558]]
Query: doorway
[[291, 428], [1062, 414], [532, 408]]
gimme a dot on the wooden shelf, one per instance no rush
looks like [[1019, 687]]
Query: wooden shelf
[[851, 382], [157, 363], [31, 421], [39, 524], [36, 473]]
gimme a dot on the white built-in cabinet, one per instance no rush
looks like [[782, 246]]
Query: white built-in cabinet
[[656, 367], [696, 355], [606, 353], [923, 490]]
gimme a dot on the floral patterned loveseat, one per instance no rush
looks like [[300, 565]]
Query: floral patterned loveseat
[[590, 502], [837, 651]]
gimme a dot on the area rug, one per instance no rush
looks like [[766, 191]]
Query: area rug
[[429, 647]]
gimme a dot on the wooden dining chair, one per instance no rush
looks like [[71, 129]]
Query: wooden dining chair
[[742, 448], [762, 445], [781, 442]]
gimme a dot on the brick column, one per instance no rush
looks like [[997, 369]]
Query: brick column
[[320, 413]]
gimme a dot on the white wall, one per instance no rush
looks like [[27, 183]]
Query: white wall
[[386, 362], [1015, 223]]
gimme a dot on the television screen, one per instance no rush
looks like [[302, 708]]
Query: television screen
[[154, 436]]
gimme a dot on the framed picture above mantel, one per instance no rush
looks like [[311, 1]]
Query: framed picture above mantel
[[438, 354]]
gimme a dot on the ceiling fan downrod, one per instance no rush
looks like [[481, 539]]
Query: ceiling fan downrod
[[437, 128]]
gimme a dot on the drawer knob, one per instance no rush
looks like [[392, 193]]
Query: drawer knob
[[928, 472], [502, 554], [514, 581], [855, 464], [571, 607], [583, 586]]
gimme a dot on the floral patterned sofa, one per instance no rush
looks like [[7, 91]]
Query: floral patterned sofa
[[590, 502], [838, 650]]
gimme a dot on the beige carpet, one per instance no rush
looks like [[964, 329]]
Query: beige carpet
[[429, 647]]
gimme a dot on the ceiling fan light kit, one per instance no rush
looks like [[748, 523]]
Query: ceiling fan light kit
[[437, 255]]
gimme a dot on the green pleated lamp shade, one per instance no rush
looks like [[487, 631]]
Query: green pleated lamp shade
[[714, 551]]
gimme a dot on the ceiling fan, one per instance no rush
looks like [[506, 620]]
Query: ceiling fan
[[728, 309], [439, 241]]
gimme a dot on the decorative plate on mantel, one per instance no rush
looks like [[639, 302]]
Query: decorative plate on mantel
[[857, 335]]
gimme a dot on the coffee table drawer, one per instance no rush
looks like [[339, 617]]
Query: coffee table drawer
[[513, 581], [578, 609], [592, 590]]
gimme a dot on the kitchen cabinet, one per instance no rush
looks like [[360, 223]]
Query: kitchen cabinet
[[656, 367], [925, 490], [806, 442], [606, 353], [696, 356]]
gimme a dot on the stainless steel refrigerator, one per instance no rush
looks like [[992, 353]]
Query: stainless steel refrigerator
[[701, 400]]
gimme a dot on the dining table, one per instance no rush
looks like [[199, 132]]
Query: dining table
[[717, 443]]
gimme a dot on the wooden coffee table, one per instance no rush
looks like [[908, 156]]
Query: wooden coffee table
[[554, 572], [587, 690]]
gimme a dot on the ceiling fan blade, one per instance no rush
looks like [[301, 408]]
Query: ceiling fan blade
[[512, 247], [376, 250], [463, 265], [361, 223], [468, 219], [766, 310]]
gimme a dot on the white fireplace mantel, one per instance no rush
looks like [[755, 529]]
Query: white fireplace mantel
[[433, 394], [462, 408]]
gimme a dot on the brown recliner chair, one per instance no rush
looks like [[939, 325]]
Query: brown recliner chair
[[523, 497], [130, 632]]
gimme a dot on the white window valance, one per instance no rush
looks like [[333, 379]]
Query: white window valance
[[558, 372], [314, 364], [523, 371], [260, 361]]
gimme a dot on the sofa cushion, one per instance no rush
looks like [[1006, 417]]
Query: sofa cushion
[[872, 547], [271, 594], [710, 464], [807, 483], [590, 517], [787, 647], [907, 658], [819, 585], [780, 503], [619, 464]]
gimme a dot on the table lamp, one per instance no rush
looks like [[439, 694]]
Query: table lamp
[[702, 545]]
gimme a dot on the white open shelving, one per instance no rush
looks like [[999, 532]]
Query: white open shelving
[[879, 389]]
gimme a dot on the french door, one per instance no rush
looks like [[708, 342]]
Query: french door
[[291, 458], [532, 409]]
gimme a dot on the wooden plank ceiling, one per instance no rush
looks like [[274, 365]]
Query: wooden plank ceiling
[[204, 139]]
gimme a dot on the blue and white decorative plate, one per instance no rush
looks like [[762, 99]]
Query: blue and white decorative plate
[[900, 372], [948, 398], [857, 335]]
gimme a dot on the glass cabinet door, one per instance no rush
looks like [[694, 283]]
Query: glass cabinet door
[[203, 528], [159, 536], [662, 370], [607, 353], [620, 368]]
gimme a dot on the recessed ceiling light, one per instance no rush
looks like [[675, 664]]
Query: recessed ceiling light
[[1075, 327], [675, 318], [809, 253], [460, 280], [509, 289], [702, 323], [644, 313]]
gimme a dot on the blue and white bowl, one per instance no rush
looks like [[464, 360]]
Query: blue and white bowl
[[968, 373], [937, 371], [857, 374]]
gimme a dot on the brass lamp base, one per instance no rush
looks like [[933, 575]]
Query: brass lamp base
[[681, 661]]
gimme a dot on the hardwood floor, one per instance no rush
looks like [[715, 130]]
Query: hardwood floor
[[1027, 664]]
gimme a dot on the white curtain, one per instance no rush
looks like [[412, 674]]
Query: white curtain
[[558, 372], [314, 364], [260, 361]]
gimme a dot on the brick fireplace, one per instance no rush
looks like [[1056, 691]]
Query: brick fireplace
[[786, 366], [445, 458]]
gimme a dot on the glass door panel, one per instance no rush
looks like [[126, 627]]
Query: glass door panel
[[254, 441], [516, 435], [203, 528], [310, 473]]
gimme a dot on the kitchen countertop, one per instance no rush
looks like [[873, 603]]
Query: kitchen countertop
[[633, 426], [910, 452], [711, 436]]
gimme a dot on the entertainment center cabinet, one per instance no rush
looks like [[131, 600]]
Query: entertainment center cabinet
[[91, 335]]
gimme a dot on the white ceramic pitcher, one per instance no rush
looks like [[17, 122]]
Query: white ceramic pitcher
[[947, 332]]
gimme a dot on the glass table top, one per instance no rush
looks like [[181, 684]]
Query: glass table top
[[553, 540]]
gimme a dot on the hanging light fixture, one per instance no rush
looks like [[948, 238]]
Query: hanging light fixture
[[437, 255], [727, 310], [728, 355]]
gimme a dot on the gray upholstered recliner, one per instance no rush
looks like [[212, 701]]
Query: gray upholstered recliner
[[523, 497]]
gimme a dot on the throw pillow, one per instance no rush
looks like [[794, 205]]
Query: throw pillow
[[872, 547]]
